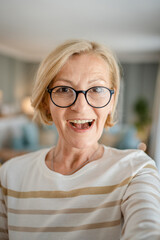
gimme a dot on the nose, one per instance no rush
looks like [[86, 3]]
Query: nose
[[80, 104]]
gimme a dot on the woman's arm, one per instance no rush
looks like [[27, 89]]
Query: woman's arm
[[3, 215], [141, 206]]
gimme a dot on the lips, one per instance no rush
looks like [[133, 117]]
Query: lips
[[81, 124]]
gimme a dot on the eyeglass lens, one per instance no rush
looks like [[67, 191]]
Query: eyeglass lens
[[65, 96]]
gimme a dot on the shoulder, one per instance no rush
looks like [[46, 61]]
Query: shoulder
[[21, 163], [132, 160]]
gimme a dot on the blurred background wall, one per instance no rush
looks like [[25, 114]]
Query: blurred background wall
[[29, 30]]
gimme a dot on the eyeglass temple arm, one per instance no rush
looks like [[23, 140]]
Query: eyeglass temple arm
[[48, 90], [111, 91]]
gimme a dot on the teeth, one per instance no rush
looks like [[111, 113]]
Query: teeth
[[80, 121]]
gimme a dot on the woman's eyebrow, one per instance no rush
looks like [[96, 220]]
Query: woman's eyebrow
[[71, 82], [63, 80], [97, 80]]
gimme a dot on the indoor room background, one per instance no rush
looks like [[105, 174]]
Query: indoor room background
[[138, 108]]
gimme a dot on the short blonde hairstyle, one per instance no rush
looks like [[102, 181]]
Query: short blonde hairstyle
[[53, 63]]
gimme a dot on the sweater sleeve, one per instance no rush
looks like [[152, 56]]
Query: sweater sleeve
[[141, 205], [3, 213]]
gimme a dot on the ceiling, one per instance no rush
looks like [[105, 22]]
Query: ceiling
[[30, 29]]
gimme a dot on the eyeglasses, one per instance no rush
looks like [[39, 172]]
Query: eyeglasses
[[64, 96]]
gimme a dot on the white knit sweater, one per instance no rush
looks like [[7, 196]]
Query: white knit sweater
[[115, 197]]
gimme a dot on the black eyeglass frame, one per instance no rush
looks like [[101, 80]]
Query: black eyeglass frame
[[49, 90]]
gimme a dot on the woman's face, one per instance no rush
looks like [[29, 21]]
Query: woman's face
[[81, 72]]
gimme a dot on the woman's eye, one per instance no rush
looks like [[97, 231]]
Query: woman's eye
[[62, 90], [97, 89]]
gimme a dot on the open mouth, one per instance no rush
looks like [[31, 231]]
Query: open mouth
[[81, 124]]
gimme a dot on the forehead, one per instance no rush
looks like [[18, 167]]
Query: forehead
[[85, 65]]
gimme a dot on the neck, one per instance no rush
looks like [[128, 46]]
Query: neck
[[67, 160]]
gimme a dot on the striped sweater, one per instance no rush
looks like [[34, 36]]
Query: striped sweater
[[115, 197]]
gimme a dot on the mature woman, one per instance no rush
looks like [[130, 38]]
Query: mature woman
[[79, 189]]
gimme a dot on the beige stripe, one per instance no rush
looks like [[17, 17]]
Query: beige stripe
[[141, 221], [155, 196], [65, 194], [157, 177], [66, 229], [142, 201], [148, 184], [3, 215], [151, 166], [65, 211], [137, 203], [148, 231], [152, 194]]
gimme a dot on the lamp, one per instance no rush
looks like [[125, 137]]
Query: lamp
[[26, 106]]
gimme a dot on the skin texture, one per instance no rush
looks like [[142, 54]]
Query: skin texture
[[75, 146]]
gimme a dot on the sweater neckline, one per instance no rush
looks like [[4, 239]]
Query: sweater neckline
[[83, 170]]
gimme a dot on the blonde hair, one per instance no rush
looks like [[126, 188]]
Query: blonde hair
[[52, 64]]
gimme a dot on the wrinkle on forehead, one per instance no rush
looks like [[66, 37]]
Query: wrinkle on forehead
[[90, 67]]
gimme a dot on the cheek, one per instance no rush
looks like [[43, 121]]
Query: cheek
[[57, 116], [111, 104], [54, 113], [101, 120], [103, 113]]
